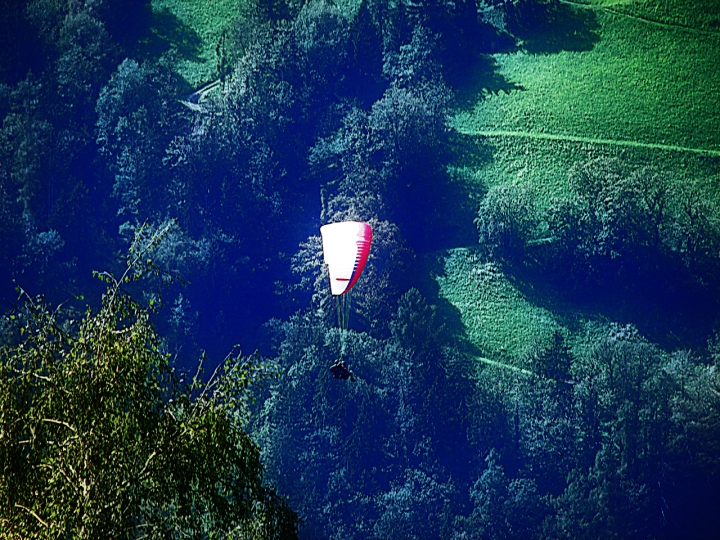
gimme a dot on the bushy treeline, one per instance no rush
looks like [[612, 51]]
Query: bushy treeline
[[605, 436], [102, 438], [606, 432], [383, 457], [604, 444], [635, 234]]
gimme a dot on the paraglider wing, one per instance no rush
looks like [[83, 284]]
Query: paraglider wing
[[346, 246]]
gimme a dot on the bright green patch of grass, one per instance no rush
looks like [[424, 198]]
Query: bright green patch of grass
[[644, 93], [499, 321], [641, 83], [206, 19]]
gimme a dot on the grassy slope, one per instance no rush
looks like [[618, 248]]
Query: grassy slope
[[641, 84], [645, 92], [500, 321], [207, 19]]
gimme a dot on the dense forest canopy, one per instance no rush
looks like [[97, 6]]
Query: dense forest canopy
[[534, 336]]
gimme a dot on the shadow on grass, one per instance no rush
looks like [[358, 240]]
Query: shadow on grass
[[149, 34], [435, 207], [668, 308], [454, 330], [468, 67], [555, 29], [482, 77]]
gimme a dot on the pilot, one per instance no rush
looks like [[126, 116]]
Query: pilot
[[340, 370]]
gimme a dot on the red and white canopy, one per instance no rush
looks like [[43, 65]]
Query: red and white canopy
[[346, 246]]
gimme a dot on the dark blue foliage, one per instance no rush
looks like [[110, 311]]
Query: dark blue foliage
[[315, 115]]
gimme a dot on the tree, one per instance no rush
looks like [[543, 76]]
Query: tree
[[102, 439], [506, 221], [408, 504], [137, 116], [654, 192], [696, 231], [604, 503], [609, 202], [342, 441], [504, 508], [436, 383], [554, 361]]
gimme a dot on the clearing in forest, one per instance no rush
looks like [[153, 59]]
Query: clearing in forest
[[192, 29]]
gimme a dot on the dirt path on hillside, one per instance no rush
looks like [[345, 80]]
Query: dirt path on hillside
[[590, 140], [698, 31], [505, 366]]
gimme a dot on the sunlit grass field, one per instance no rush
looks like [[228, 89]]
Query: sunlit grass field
[[205, 20], [647, 91], [500, 321], [640, 84]]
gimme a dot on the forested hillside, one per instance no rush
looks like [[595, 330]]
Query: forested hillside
[[534, 337]]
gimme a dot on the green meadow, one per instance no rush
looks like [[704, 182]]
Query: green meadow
[[640, 83], [499, 320], [647, 91], [202, 21]]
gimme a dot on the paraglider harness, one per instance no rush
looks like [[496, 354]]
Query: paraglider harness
[[340, 370]]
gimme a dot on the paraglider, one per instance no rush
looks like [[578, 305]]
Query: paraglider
[[346, 246], [340, 370]]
